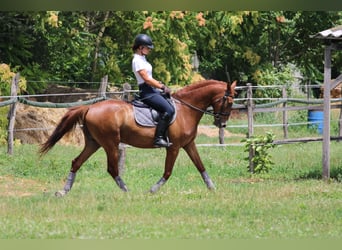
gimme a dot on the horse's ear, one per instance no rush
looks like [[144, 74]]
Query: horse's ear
[[232, 87]]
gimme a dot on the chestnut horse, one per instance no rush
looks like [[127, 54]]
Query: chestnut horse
[[107, 123]]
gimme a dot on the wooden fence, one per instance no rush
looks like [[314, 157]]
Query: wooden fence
[[249, 106], [281, 105]]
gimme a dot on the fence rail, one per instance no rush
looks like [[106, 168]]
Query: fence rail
[[248, 104]]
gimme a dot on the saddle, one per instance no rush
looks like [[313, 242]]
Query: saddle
[[146, 116]]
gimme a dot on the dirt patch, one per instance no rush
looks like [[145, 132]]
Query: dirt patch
[[18, 187], [212, 131]]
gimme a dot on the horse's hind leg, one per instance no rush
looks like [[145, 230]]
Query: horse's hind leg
[[90, 147], [112, 152], [191, 150]]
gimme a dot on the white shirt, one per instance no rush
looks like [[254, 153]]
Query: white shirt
[[138, 63]]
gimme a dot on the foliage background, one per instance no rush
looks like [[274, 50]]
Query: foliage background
[[79, 48]]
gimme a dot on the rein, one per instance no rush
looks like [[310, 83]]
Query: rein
[[194, 107], [221, 113]]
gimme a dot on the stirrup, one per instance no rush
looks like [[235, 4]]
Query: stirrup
[[161, 142]]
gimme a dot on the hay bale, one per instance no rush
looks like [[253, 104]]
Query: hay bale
[[33, 125]]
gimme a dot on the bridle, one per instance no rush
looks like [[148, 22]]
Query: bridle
[[227, 94]]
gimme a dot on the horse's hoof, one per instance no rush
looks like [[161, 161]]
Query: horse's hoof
[[60, 193], [154, 189], [210, 185]]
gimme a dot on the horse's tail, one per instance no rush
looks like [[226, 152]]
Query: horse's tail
[[68, 122]]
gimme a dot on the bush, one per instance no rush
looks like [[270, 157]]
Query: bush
[[6, 76], [260, 145], [3, 125]]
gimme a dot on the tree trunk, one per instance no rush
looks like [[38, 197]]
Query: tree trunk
[[98, 42]]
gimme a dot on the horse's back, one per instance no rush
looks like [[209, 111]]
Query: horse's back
[[109, 106], [109, 111]]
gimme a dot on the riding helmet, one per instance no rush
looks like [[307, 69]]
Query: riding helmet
[[142, 40]]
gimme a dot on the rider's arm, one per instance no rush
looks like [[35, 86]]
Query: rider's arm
[[150, 80]]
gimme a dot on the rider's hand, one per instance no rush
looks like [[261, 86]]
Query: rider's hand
[[166, 90]]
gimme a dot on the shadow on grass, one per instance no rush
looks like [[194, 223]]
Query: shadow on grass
[[335, 174]]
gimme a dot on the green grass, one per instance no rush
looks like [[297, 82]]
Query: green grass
[[290, 202]]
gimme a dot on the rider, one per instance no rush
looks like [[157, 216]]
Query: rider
[[151, 90]]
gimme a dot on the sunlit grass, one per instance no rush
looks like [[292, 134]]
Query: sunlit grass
[[290, 202]]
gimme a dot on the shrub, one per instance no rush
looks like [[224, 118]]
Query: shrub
[[260, 145]]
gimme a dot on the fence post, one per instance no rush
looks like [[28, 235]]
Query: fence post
[[103, 87], [11, 113], [250, 123], [285, 122], [340, 116], [326, 109], [221, 135], [340, 123], [126, 90], [122, 148]]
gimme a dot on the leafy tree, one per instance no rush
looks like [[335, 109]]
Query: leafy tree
[[16, 40], [6, 76], [250, 42], [73, 47], [68, 46], [299, 48]]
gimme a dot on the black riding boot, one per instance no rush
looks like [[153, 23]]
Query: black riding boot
[[163, 124]]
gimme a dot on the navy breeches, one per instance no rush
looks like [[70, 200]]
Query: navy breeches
[[154, 99]]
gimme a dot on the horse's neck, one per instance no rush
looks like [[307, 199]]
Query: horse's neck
[[196, 103], [198, 99]]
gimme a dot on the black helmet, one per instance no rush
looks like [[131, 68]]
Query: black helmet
[[142, 40]]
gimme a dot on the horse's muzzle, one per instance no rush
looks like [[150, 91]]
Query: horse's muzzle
[[220, 124]]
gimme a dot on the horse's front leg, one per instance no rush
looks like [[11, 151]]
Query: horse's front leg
[[191, 150], [170, 159]]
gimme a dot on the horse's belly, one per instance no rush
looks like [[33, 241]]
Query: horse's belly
[[141, 137]]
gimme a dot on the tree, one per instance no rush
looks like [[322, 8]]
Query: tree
[[81, 47], [250, 42]]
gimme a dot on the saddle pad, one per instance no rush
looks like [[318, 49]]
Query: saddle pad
[[143, 116]]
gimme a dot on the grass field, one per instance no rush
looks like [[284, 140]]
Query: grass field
[[290, 202]]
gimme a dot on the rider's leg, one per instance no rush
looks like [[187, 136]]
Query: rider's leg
[[154, 99], [160, 138]]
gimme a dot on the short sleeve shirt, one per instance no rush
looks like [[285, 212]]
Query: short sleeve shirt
[[138, 63]]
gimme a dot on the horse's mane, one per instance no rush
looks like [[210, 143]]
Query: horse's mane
[[195, 86]]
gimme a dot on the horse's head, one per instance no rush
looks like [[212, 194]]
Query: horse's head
[[223, 105]]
